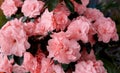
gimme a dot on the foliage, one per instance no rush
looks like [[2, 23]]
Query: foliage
[[51, 4]]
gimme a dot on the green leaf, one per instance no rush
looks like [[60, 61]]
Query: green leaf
[[3, 19], [97, 48], [56, 62], [10, 57], [78, 1], [51, 4], [32, 19], [111, 68], [65, 66], [118, 29], [107, 56], [88, 47], [114, 54], [69, 5], [111, 4], [18, 60], [24, 19]]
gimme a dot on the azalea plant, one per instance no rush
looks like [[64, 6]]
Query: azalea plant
[[57, 36]]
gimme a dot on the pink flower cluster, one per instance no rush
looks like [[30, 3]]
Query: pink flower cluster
[[32, 8], [62, 49], [13, 38], [9, 8], [62, 46], [88, 64]]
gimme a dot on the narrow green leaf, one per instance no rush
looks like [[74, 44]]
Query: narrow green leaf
[[10, 57], [65, 66], [97, 48], [69, 5], [108, 60], [51, 4], [56, 62], [32, 19], [111, 68], [3, 19], [18, 60], [88, 47], [118, 29], [24, 19]]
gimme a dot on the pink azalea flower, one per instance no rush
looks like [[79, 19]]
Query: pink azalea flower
[[39, 56], [78, 29], [30, 63], [85, 67], [32, 8], [47, 66], [30, 28], [106, 29], [61, 21], [62, 49], [91, 32], [5, 64], [9, 8], [61, 7], [13, 39], [93, 14], [46, 23], [90, 67], [85, 56], [98, 65], [18, 3], [58, 69], [61, 16], [79, 8], [88, 63], [85, 2], [18, 69]]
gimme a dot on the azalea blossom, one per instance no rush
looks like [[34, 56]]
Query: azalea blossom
[[79, 8], [32, 8], [88, 64], [47, 66], [18, 3], [9, 8], [106, 29], [29, 28], [5, 64], [18, 69], [89, 67], [13, 38], [85, 2], [30, 63], [62, 49], [93, 14], [46, 23], [78, 29], [85, 56], [61, 14]]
